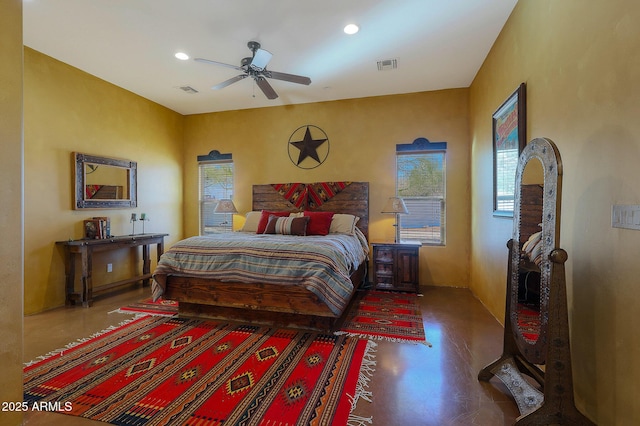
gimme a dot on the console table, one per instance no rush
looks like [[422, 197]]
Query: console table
[[85, 248]]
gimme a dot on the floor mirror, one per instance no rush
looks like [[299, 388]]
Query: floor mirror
[[536, 361]]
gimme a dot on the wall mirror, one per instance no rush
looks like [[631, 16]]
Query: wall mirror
[[529, 284], [536, 360], [103, 182]]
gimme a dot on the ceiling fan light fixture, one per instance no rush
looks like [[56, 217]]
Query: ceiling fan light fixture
[[260, 59], [182, 56], [351, 29]]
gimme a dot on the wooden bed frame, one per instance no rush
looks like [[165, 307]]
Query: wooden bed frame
[[287, 306]]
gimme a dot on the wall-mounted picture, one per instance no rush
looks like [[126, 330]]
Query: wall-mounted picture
[[509, 133]]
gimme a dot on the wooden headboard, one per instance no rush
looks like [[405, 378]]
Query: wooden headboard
[[353, 199]]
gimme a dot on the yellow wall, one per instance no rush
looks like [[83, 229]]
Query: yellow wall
[[67, 110], [363, 134], [581, 62], [11, 267]]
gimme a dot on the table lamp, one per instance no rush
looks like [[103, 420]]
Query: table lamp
[[396, 206], [226, 206]]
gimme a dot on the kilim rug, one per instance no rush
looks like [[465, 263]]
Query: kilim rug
[[158, 370], [386, 315], [529, 322], [148, 306]]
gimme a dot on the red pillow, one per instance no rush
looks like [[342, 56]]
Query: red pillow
[[264, 219], [319, 222]]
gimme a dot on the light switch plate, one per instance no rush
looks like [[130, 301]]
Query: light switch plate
[[625, 216]]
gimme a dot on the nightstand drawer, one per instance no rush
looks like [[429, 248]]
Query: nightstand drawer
[[383, 255], [383, 285], [384, 269]]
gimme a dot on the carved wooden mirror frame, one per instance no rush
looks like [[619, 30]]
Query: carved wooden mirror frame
[[81, 163], [551, 400]]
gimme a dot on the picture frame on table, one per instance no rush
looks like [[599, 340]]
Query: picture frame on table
[[92, 229]]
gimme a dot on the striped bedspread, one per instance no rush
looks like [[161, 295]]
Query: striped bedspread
[[322, 264]]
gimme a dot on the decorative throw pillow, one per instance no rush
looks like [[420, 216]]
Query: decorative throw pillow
[[264, 218], [251, 221], [343, 224], [287, 225], [319, 222]]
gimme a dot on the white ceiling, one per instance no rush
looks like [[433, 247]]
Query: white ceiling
[[438, 44]]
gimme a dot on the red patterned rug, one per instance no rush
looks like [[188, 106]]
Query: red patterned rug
[[168, 370], [148, 306], [529, 322], [385, 315]]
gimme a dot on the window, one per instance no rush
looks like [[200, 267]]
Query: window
[[216, 183], [506, 164], [420, 182]]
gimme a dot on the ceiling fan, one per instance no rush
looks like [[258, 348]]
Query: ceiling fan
[[256, 67]]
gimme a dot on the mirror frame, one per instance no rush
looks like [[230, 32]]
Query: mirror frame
[[80, 161], [546, 152], [551, 400]]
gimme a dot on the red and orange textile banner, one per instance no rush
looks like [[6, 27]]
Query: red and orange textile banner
[[309, 195]]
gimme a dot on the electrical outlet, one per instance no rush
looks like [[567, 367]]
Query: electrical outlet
[[109, 267]]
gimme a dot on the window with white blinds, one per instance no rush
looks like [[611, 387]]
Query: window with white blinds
[[505, 176], [216, 183], [421, 183]]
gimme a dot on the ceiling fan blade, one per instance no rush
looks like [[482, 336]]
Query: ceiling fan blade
[[266, 88], [292, 78], [208, 61], [229, 82]]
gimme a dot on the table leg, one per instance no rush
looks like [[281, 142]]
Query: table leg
[[146, 263], [160, 249], [87, 279], [70, 275]]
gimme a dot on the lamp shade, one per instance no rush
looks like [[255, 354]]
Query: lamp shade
[[395, 205], [225, 205]]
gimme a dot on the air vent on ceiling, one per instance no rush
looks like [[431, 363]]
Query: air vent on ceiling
[[188, 89], [387, 64]]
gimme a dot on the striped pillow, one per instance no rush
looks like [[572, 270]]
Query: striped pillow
[[287, 225]]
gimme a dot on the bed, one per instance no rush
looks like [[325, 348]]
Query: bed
[[284, 280]]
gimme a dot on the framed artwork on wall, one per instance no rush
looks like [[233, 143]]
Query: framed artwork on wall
[[509, 133]]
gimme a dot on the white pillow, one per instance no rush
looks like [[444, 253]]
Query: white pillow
[[251, 222], [343, 224]]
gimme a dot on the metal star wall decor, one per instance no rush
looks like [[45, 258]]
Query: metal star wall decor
[[310, 144]]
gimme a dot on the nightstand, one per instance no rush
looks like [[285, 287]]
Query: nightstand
[[395, 266]]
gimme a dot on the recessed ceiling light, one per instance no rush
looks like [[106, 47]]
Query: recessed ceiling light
[[182, 56], [351, 29]]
